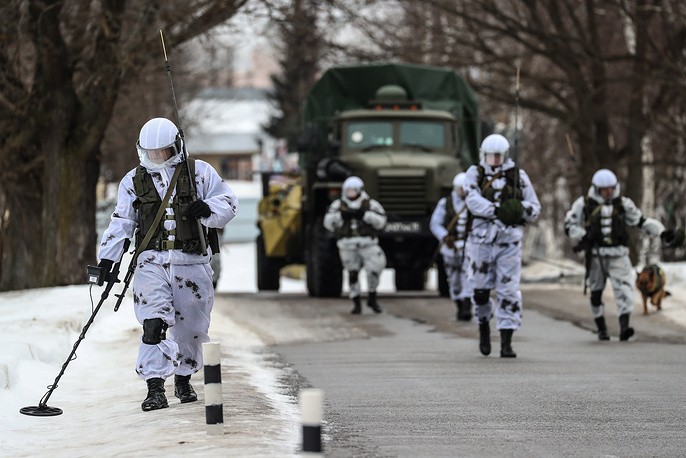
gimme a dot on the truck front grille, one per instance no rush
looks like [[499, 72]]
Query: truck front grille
[[402, 194]]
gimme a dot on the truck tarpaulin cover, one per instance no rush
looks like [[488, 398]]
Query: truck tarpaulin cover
[[348, 88]]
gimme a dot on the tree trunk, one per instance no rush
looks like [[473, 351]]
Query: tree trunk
[[69, 216], [23, 255]]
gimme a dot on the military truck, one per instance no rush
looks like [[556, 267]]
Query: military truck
[[406, 130]]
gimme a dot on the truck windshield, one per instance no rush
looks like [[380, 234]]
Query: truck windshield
[[429, 134], [368, 135]]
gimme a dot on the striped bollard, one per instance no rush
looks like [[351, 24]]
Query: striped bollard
[[214, 410], [311, 411]]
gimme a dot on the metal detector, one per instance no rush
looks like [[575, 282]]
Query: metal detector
[[112, 277]]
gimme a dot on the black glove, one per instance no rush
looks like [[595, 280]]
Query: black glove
[[510, 212], [449, 241], [673, 238], [667, 236], [106, 265], [583, 245], [198, 209]]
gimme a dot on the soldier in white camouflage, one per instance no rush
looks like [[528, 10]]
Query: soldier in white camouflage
[[449, 225], [501, 200], [356, 219], [598, 224]]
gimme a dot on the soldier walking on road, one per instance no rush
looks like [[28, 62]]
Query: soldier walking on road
[[356, 218], [502, 200], [172, 287], [449, 226], [598, 222]]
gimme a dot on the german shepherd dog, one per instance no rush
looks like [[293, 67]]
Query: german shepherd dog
[[651, 283]]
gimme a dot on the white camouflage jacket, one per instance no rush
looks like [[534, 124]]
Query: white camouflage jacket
[[211, 188], [375, 217], [486, 228], [438, 220], [575, 221]]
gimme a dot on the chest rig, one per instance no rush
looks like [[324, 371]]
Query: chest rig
[[147, 203], [512, 188], [509, 191], [355, 227], [605, 224]]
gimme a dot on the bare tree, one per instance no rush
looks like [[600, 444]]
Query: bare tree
[[610, 73], [64, 63], [300, 47]]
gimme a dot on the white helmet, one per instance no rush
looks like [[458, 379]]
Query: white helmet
[[459, 180], [604, 178], [495, 144], [352, 184], [158, 133]]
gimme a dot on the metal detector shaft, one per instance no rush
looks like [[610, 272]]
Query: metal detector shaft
[[194, 191], [42, 409]]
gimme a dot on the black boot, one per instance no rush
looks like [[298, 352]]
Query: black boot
[[624, 330], [371, 302], [464, 309], [602, 328], [485, 338], [357, 309], [183, 389], [506, 344], [156, 398]]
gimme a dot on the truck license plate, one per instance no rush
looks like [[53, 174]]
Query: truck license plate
[[404, 227]]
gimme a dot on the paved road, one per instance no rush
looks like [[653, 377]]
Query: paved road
[[410, 382]]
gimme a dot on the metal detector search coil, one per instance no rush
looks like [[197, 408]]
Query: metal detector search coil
[[95, 275]]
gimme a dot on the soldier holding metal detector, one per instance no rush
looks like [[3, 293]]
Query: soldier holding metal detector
[[172, 285], [598, 223], [167, 202]]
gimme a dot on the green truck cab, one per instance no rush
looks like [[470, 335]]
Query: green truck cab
[[406, 130]]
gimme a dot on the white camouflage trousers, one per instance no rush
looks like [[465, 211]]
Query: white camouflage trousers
[[457, 274], [371, 257], [497, 266], [182, 296], [622, 278]]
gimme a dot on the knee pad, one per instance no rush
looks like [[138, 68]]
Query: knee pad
[[596, 298], [352, 276], [154, 331], [481, 296]]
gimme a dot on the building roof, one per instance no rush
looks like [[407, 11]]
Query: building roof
[[225, 143], [227, 120]]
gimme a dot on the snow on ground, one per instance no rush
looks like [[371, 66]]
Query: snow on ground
[[100, 393]]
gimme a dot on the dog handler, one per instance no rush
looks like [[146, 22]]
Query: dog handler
[[598, 222]]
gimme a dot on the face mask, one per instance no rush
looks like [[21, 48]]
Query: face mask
[[494, 159], [352, 194]]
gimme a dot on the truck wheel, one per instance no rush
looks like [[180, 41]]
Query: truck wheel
[[410, 279], [443, 286], [324, 269], [268, 268]]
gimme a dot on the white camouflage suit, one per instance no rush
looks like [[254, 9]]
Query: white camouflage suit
[[357, 252], [453, 258], [609, 261], [171, 285], [494, 250]]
